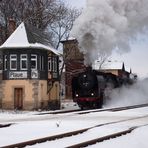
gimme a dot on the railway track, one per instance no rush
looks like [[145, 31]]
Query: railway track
[[5, 125], [9, 122], [115, 109], [60, 112], [77, 132], [103, 138], [55, 115], [100, 139], [79, 111]]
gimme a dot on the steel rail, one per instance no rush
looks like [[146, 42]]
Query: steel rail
[[107, 137], [100, 139]]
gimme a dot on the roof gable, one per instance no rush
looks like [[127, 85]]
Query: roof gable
[[26, 36], [18, 37]]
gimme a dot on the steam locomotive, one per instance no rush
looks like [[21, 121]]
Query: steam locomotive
[[90, 88]]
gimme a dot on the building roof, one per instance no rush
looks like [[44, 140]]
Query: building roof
[[27, 36], [69, 39], [114, 65]]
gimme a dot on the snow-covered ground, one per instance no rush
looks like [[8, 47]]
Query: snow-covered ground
[[29, 125]]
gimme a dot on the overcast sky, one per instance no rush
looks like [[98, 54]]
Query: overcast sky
[[76, 3], [137, 58]]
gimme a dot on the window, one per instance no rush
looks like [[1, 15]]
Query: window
[[55, 64], [5, 62], [23, 62], [34, 61], [41, 62], [13, 62], [52, 64], [49, 64]]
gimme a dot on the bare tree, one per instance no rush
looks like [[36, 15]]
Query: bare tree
[[64, 23], [102, 58], [61, 29], [46, 15]]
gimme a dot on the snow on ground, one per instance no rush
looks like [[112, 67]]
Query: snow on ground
[[68, 104], [28, 125], [136, 139]]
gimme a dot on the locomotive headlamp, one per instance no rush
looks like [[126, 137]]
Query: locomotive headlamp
[[92, 94], [84, 76], [77, 95]]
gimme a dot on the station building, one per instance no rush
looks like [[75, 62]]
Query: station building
[[29, 78], [115, 67]]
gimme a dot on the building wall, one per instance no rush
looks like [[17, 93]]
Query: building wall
[[54, 96], [35, 94], [113, 71], [54, 93], [74, 60], [71, 50], [118, 72], [73, 67]]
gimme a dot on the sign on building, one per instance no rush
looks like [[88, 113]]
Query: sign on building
[[17, 74], [34, 74]]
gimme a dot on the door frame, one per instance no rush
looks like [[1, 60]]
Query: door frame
[[18, 102]]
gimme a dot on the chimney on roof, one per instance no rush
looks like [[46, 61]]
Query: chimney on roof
[[11, 26], [123, 67], [130, 70]]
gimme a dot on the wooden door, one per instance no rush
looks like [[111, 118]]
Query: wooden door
[[18, 98]]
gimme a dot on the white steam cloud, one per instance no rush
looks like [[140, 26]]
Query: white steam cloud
[[108, 24], [131, 95]]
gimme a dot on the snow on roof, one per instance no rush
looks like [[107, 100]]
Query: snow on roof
[[69, 39], [114, 65], [24, 37]]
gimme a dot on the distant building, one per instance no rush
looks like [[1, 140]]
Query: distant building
[[30, 74], [116, 68]]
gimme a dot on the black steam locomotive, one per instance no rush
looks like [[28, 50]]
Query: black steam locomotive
[[90, 88]]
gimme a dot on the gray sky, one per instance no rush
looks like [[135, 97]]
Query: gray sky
[[76, 3], [137, 58]]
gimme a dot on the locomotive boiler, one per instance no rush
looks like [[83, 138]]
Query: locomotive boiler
[[90, 88]]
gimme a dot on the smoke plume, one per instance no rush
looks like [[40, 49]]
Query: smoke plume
[[105, 25]]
